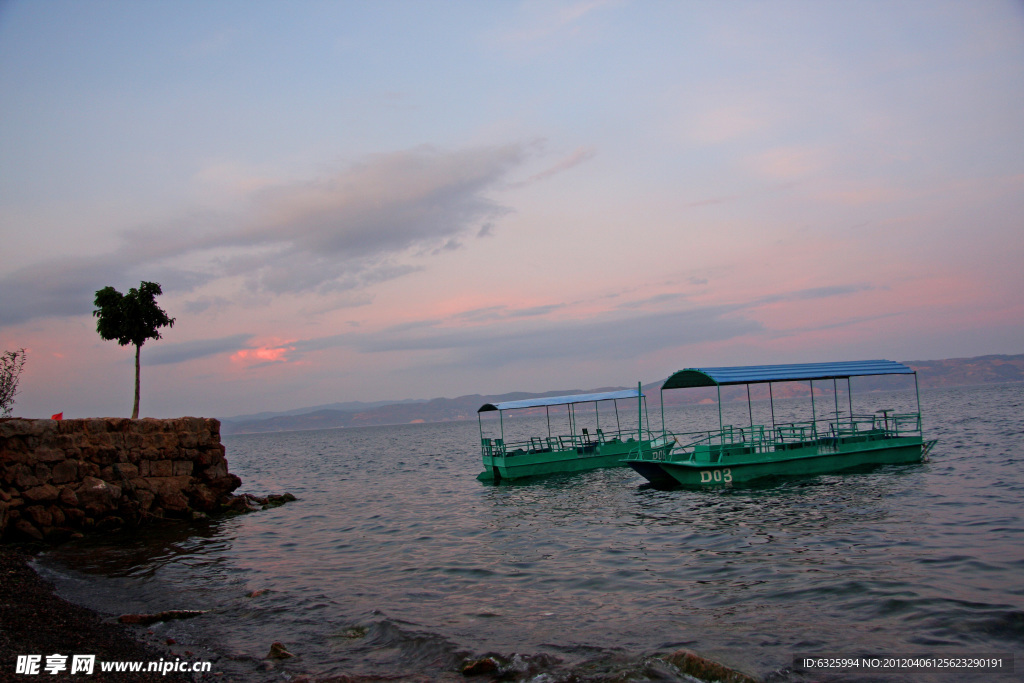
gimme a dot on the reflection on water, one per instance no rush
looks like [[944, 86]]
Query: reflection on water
[[395, 558]]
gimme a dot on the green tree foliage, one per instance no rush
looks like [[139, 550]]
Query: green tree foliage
[[131, 318], [11, 364]]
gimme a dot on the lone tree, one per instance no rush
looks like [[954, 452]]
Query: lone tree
[[131, 318]]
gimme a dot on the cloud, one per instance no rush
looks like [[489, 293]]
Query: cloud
[[652, 300], [63, 287], [493, 313], [787, 163], [347, 230], [581, 155], [513, 336], [724, 124], [710, 202], [813, 293], [387, 204], [857, 320], [548, 21], [264, 355], [499, 336], [607, 336], [205, 303], [167, 354]]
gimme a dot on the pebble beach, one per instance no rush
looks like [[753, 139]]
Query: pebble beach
[[36, 621]]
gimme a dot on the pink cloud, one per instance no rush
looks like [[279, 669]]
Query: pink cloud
[[263, 354]]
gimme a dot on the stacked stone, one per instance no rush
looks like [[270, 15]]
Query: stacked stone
[[62, 477]]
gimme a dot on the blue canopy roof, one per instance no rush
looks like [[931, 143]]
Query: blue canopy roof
[[709, 377], [560, 400]]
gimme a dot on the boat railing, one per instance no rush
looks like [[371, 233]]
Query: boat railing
[[880, 425], [710, 444], [903, 424], [857, 425], [686, 450], [492, 447], [584, 442], [654, 448], [736, 435], [743, 440], [847, 428], [737, 440], [796, 432]]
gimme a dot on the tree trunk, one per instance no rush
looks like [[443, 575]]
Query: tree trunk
[[135, 409]]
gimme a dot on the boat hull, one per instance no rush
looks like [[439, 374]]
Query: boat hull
[[524, 465], [653, 473], [807, 461]]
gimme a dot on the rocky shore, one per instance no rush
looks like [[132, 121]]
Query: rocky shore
[[35, 621]]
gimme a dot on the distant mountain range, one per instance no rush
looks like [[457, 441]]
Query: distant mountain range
[[931, 373]]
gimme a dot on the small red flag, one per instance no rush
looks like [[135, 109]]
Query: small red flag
[[58, 416]]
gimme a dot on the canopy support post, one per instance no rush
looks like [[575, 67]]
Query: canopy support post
[[835, 395], [664, 430], [721, 436], [750, 412], [640, 414], [849, 397], [572, 423], [814, 414], [917, 392]]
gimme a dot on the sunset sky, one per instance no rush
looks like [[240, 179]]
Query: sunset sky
[[387, 200]]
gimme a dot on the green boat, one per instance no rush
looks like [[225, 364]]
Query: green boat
[[575, 451], [736, 455]]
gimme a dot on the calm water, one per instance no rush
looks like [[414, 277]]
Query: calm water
[[396, 560]]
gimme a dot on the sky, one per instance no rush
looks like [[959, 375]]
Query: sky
[[385, 200]]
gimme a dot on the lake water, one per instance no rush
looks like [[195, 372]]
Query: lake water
[[395, 560]]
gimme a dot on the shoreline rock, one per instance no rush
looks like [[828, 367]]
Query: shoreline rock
[[167, 615], [246, 502], [704, 669]]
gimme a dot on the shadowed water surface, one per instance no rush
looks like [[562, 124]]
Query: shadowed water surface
[[396, 560]]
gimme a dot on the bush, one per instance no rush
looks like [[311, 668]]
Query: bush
[[11, 363]]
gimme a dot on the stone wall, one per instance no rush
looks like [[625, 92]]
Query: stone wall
[[59, 478]]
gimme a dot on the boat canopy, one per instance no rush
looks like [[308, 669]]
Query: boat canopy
[[560, 400], [709, 377]]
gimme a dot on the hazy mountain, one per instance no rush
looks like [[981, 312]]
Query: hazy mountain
[[347, 407], [931, 373]]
